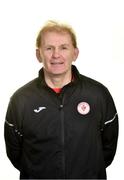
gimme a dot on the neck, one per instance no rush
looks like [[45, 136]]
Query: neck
[[58, 81]]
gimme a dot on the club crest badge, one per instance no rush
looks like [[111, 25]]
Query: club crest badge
[[83, 108]]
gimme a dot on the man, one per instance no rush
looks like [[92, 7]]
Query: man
[[61, 125]]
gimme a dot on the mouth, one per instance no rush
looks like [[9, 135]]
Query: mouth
[[57, 63]]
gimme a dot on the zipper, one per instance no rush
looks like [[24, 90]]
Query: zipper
[[62, 136]]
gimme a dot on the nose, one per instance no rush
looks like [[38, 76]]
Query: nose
[[56, 53]]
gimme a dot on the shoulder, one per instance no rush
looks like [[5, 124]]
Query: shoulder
[[91, 82], [88, 84], [93, 86], [26, 91]]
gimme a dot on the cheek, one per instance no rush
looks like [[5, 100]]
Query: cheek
[[46, 58], [71, 58], [46, 64]]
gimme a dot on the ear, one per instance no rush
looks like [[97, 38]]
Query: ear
[[38, 55], [76, 53]]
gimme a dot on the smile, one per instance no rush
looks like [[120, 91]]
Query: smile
[[57, 63]]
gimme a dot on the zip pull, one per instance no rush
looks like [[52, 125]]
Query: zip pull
[[61, 106]]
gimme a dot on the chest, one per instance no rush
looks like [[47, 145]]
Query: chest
[[48, 118]]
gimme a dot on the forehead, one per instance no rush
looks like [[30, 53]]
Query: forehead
[[56, 38]]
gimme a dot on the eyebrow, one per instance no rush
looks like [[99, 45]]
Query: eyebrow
[[65, 44], [50, 45]]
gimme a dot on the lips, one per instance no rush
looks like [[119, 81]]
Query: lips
[[56, 63]]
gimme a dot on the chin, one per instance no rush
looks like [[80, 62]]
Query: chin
[[58, 72]]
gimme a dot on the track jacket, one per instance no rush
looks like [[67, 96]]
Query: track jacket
[[72, 135]]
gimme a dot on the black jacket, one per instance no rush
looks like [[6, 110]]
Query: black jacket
[[72, 135]]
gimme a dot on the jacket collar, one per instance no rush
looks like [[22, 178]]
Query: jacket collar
[[75, 74]]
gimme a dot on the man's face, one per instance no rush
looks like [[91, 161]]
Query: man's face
[[57, 53]]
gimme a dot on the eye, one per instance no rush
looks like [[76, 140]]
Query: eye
[[64, 47], [48, 48]]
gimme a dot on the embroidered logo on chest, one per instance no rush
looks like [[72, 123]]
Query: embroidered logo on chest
[[39, 109], [83, 108]]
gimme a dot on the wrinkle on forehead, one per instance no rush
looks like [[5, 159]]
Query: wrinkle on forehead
[[55, 38]]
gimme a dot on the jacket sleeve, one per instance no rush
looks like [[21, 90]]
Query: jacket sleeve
[[110, 130], [13, 135]]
